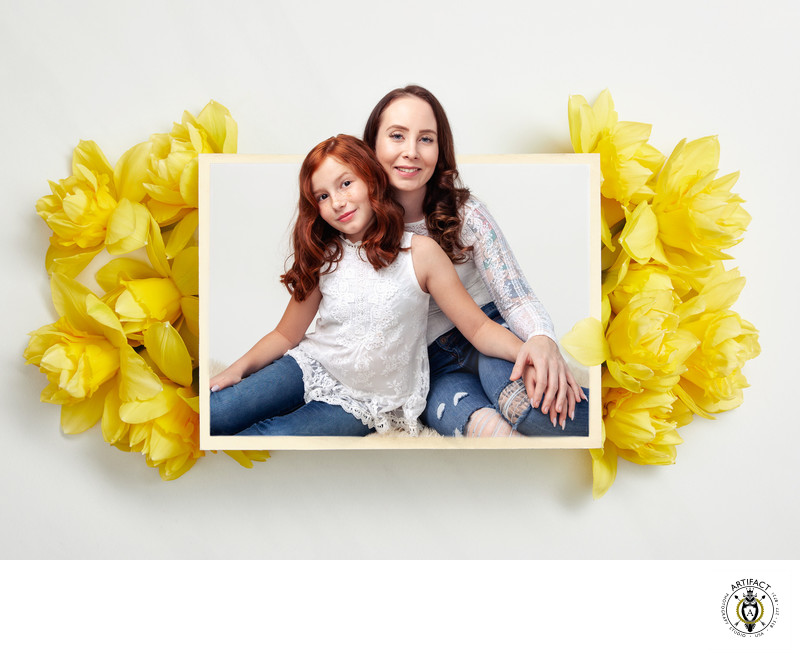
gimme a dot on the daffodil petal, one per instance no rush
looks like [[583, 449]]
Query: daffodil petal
[[231, 135], [604, 469], [586, 342], [69, 261], [164, 213], [80, 416], [190, 307], [189, 182], [137, 412], [87, 155], [581, 124], [166, 348], [69, 300], [246, 458], [185, 270], [155, 250], [181, 234], [217, 122], [640, 232], [130, 172], [138, 382], [189, 397], [115, 430], [118, 269], [128, 227], [168, 472]]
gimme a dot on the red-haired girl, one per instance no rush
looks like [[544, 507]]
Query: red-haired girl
[[365, 366], [410, 133]]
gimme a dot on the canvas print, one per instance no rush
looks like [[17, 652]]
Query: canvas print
[[351, 364]]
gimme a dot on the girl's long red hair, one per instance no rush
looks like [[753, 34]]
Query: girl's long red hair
[[317, 246]]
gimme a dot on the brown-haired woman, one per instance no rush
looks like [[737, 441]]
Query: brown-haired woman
[[365, 366], [470, 393]]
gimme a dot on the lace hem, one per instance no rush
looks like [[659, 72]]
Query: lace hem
[[319, 385]]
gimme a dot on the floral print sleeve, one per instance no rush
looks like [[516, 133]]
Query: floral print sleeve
[[502, 275]]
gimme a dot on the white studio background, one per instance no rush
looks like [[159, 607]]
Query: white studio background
[[294, 73], [545, 206]]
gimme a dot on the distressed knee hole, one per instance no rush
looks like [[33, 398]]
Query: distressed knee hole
[[440, 411], [513, 401], [487, 422], [458, 397]]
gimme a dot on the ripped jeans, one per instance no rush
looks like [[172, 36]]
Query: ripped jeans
[[463, 380]]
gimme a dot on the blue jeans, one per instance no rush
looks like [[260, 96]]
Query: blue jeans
[[270, 402], [463, 380]]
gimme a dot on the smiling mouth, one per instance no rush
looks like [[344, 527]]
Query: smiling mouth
[[346, 216]]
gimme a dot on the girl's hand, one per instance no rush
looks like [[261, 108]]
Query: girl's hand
[[227, 377], [547, 377]]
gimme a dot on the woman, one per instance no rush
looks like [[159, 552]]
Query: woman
[[365, 366], [470, 394]]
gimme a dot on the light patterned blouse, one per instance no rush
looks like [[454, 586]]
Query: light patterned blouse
[[491, 274]]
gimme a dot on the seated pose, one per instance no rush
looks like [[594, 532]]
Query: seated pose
[[471, 393], [365, 367]]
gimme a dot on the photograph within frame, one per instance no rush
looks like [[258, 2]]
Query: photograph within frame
[[247, 207]]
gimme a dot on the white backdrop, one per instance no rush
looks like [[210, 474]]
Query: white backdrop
[[293, 73]]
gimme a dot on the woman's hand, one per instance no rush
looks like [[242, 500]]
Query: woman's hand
[[548, 380], [227, 377]]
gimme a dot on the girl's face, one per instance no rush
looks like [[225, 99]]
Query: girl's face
[[406, 144], [342, 199]]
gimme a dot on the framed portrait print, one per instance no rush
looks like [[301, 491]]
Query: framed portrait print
[[546, 206]]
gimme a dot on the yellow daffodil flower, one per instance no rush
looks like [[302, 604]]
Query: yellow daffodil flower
[[170, 441], [78, 210], [93, 209], [143, 396], [628, 163], [172, 169], [647, 348], [641, 425], [649, 279], [85, 357], [698, 215], [670, 346], [713, 378], [144, 295]]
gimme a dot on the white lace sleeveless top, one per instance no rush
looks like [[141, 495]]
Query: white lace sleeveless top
[[368, 352], [491, 274]]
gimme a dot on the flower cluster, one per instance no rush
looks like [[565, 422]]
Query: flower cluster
[[669, 344], [126, 358]]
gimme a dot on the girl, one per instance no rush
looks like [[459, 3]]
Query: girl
[[410, 133], [365, 366]]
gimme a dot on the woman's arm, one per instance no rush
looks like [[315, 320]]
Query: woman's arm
[[437, 276], [547, 377], [502, 275], [290, 331]]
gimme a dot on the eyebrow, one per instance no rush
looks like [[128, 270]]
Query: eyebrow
[[397, 126], [347, 174]]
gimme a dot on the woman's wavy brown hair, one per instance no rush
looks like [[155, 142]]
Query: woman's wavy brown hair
[[317, 247], [445, 194]]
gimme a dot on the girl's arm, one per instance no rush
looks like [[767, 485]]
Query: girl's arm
[[290, 331], [437, 276]]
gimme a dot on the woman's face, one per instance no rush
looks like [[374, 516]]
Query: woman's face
[[407, 144]]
